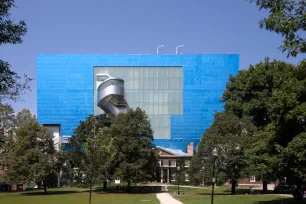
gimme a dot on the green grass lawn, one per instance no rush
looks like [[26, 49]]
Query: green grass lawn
[[75, 196], [197, 196]]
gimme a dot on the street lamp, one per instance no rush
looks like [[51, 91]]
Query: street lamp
[[157, 48], [214, 155], [177, 47], [178, 180]]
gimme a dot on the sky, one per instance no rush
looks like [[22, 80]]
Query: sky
[[137, 27]]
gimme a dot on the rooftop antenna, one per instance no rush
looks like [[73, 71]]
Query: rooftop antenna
[[177, 47], [157, 48]]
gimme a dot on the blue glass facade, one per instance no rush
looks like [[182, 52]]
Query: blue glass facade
[[65, 89]]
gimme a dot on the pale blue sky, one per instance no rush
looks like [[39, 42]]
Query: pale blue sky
[[137, 27]]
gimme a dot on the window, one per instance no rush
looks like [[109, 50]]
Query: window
[[172, 177], [187, 163], [252, 179], [172, 163], [161, 163], [186, 177]]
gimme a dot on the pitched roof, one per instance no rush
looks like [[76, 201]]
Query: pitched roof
[[175, 152]]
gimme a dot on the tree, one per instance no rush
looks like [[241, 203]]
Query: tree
[[273, 95], [7, 125], [32, 156], [77, 155], [98, 155], [286, 17], [11, 85], [132, 138], [231, 136]]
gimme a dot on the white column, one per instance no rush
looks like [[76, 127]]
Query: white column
[[161, 176]]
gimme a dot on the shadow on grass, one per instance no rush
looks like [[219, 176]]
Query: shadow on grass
[[134, 189], [281, 201], [29, 193], [214, 193]]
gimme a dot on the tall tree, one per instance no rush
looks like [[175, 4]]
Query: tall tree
[[132, 138], [7, 126], [84, 131], [231, 136], [98, 155], [273, 95], [32, 156], [11, 85], [287, 18]]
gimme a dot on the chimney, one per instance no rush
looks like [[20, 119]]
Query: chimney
[[190, 148]]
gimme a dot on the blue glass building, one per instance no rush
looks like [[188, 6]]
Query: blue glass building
[[180, 93]]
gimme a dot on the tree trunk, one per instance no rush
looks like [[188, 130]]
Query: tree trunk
[[298, 193], [129, 186], [234, 182], [264, 186], [45, 187], [105, 185], [90, 187]]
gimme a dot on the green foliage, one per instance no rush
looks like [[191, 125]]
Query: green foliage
[[7, 123], [287, 18], [31, 155], [11, 85], [98, 154], [273, 95], [231, 136], [132, 139], [77, 156], [7, 126]]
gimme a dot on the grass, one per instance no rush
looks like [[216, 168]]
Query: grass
[[197, 196], [75, 196]]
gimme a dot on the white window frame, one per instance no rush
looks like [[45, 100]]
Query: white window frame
[[174, 176], [186, 176], [253, 179], [172, 163], [160, 163], [187, 165]]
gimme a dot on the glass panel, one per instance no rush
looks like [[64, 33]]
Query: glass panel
[[140, 72], [135, 84], [171, 72], [155, 84], [145, 97], [154, 71], [150, 84], [155, 109], [179, 83], [151, 97], [160, 111], [140, 83], [140, 97], [165, 111], [130, 72], [155, 97], [166, 97], [160, 97], [136, 72], [145, 84], [151, 109], [135, 95], [145, 72]]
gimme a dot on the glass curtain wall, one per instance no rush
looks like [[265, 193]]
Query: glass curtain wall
[[156, 90]]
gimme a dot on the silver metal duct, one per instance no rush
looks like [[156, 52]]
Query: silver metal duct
[[111, 94]]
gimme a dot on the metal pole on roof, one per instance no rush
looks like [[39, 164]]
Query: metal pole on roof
[[157, 48], [177, 47]]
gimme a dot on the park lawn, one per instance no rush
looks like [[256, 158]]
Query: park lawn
[[197, 196], [75, 196]]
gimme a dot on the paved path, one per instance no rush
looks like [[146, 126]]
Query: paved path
[[166, 198]]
